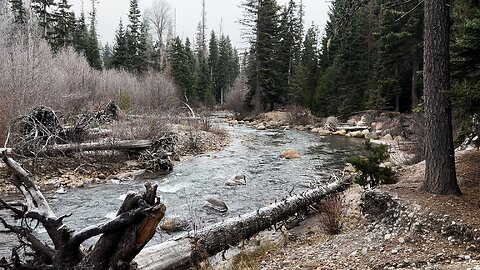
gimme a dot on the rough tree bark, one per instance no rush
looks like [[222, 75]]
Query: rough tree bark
[[440, 175], [122, 238], [193, 247]]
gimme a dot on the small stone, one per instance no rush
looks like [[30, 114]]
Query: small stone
[[387, 137], [394, 251], [387, 237], [401, 240], [353, 254], [364, 251]]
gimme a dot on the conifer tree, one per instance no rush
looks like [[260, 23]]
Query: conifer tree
[[120, 51], [263, 62], [92, 52], [213, 65], [18, 10], [41, 8], [63, 23], [80, 35], [133, 37]]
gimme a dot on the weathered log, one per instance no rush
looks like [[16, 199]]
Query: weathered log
[[195, 246], [97, 146], [122, 238], [353, 128]]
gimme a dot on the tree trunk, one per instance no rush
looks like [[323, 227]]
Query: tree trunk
[[440, 176], [195, 246], [137, 145], [415, 68]]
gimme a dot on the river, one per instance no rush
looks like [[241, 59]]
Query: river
[[253, 153]]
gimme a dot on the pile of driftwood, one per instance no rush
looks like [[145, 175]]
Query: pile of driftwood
[[41, 133]]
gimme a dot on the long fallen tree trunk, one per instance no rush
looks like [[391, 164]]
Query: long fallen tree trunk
[[195, 246], [97, 146]]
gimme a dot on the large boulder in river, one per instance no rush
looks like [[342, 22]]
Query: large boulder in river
[[331, 123], [237, 180], [216, 203], [291, 154], [174, 224]]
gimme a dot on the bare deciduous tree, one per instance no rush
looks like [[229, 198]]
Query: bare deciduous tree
[[160, 17]]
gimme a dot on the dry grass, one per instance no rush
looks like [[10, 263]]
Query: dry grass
[[250, 260], [332, 210], [141, 128]]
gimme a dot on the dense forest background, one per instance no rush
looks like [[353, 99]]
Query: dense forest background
[[370, 56]]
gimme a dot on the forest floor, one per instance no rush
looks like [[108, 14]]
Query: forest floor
[[424, 232]]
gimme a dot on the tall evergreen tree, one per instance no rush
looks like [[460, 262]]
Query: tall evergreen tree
[[92, 51], [63, 23], [120, 50], [263, 62], [310, 67], [18, 11], [213, 65], [133, 37], [145, 49], [80, 35], [42, 10], [440, 174], [290, 31]]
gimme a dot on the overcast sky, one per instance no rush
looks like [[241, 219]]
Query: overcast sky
[[225, 13]]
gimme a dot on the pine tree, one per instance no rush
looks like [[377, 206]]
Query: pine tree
[[120, 51], [144, 50], [190, 68], [400, 40], [133, 37], [310, 67], [18, 10], [290, 31], [204, 84], [213, 65], [80, 35], [41, 8], [107, 56], [440, 174], [263, 63], [466, 65], [92, 52], [63, 23]]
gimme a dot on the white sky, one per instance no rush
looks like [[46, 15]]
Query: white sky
[[219, 12]]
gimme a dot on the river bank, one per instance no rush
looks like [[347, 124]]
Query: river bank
[[412, 230]]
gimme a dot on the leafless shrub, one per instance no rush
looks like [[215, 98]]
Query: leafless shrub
[[32, 75], [236, 96], [140, 128], [299, 116], [331, 211]]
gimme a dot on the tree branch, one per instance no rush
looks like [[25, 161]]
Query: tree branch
[[36, 244], [119, 222]]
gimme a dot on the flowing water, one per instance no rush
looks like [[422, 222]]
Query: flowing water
[[253, 153]]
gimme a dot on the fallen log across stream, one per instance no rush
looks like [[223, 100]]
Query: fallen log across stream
[[195, 246]]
